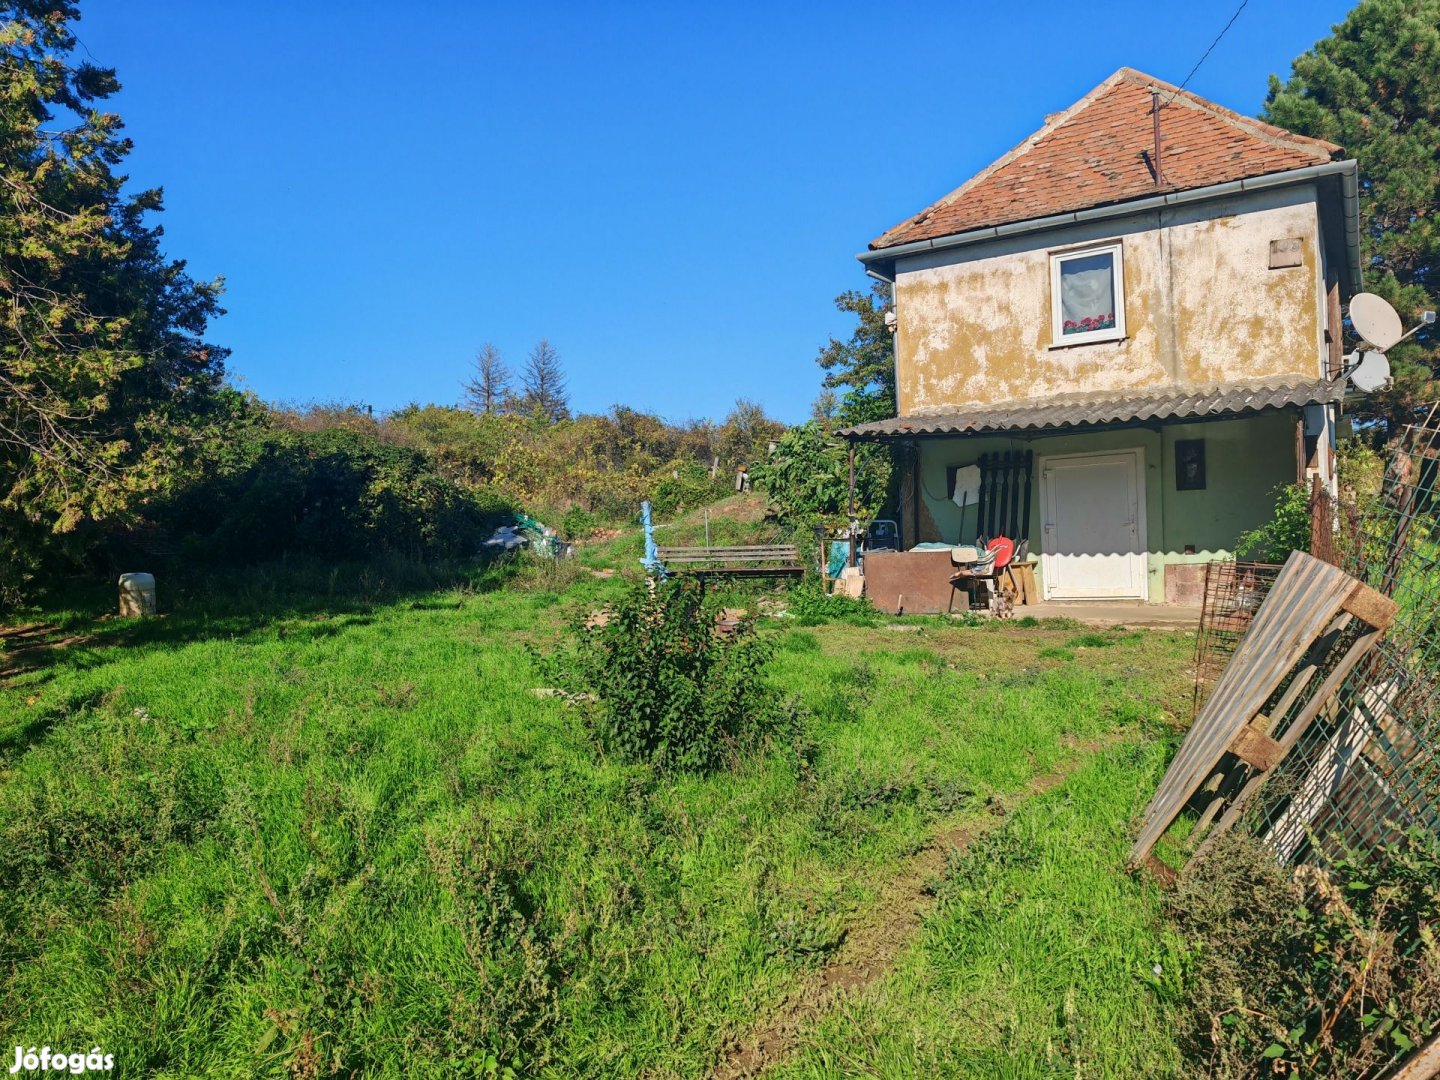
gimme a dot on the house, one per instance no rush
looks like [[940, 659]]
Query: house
[[1131, 323]]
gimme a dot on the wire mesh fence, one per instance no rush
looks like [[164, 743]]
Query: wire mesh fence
[[1367, 768], [1233, 593]]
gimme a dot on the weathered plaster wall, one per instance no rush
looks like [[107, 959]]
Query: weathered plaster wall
[[1245, 460], [1201, 306]]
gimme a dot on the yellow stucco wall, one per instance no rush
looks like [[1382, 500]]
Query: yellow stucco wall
[[1202, 306]]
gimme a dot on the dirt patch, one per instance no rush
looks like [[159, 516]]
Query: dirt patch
[[871, 949], [23, 648]]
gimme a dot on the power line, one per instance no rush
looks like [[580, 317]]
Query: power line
[[1211, 49]]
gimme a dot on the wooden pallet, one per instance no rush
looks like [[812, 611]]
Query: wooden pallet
[[1233, 748]]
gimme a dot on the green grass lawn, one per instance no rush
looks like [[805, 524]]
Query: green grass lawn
[[294, 834]]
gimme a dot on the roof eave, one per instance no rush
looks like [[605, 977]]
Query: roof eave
[[880, 263]]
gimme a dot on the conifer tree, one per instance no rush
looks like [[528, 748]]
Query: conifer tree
[[1373, 86]]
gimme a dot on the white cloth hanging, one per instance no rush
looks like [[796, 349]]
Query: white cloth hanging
[[967, 486]]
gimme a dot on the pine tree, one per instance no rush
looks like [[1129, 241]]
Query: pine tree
[[105, 379], [544, 384], [1373, 86], [488, 392], [864, 366]]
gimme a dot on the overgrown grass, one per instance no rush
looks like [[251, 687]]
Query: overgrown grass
[[332, 833]]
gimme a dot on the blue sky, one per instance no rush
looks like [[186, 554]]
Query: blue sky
[[673, 194]]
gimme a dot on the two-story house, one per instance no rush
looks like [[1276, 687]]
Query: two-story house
[[1132, 323]]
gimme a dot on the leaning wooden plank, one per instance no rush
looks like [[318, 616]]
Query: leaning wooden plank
[[1299, 609], [1300, 603], [1363, 644]]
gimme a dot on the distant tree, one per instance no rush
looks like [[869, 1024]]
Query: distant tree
[[543, 382], [488, 391], [825, 406], [1373, 86], [746, 434], [106, 381], [863, 368]]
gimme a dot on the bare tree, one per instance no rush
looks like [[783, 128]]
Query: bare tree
[[544, 384], [489, 391]]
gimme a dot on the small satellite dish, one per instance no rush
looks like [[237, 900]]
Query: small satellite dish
[[1375, 321], [1371, 373]]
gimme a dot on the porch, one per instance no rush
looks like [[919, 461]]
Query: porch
[[1116, 501]]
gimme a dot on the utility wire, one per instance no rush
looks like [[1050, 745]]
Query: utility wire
[[1208, 51]]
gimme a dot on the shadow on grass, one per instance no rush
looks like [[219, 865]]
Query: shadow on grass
[[207, 603]]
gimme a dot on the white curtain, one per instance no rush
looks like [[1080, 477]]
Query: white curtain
[[1087, 290]]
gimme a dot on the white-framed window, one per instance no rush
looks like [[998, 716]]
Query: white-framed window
[[1087, 295]]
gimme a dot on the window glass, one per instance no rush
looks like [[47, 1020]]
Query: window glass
[[1087, 294]]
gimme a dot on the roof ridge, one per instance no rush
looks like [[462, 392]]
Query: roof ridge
[[1274, 137], [1052, 122], [1254, 125]]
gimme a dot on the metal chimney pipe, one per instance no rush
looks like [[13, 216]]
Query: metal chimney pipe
[[1155, 114]]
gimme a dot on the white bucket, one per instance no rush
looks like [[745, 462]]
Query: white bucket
[[137, 595]]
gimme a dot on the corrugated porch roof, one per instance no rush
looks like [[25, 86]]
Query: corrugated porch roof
[[1104, 409]]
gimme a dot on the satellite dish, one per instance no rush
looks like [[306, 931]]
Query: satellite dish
[[1375, 321], [1371, 373]]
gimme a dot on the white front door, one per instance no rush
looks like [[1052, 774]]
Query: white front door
[[1094, 538]]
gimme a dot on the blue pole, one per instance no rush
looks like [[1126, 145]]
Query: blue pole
[[651, 561]]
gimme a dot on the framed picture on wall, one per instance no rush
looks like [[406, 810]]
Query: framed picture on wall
[[1190, 465]]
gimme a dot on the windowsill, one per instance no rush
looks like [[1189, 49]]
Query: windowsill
[[1096, 339]]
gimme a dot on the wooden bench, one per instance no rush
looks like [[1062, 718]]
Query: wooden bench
[[748, 561]]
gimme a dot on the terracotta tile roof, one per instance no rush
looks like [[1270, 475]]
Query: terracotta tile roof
[[1098, 151], [1106, 408]]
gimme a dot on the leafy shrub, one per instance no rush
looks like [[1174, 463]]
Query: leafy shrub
[[1319, 973], [1287, 531], [811, 605], [578, 523], [685, 485], [334, 493], [669, 687], [808, 476]]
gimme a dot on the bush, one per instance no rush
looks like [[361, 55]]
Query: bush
[[668, 687], [1287, 531], [1320, 973], [811, 605], [334, 493], [685, 486], [808, 477]]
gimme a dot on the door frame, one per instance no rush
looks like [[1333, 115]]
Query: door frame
[[1137, 454]]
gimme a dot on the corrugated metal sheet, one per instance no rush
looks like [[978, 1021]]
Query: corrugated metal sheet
[[1106, 408]]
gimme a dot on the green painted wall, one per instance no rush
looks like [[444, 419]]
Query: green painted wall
[[1245, 460]]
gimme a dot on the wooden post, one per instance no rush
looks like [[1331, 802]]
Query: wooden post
[[851, 527]]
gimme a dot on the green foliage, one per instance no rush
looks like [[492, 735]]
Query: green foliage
[[1373, 86], [810, 605], [335, 493], [604, 465], [1326, 973], [688, 486], [578, 523], [808, 477], [104, 372], [1287, 531], [863, 367], [670, 687]]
